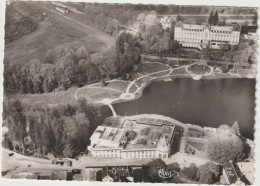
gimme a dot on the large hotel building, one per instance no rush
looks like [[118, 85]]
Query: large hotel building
[[201, 36], [133, 139]]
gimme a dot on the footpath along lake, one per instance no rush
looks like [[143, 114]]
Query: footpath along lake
[[206, 102]]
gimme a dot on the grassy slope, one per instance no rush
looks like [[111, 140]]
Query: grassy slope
[[53, 31], [51, 98]]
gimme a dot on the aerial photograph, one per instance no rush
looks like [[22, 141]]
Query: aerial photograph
[[121, 92]]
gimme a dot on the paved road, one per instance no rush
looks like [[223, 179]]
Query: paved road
[[194, 60]]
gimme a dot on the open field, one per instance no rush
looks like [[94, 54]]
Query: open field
[[53, 31], [118, 85], [97, 94], [52, 98], [148, 68]]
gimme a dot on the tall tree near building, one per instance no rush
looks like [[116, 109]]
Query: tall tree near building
[[178, 18], [215, 18], [210, 19], [255, 18], [128, 53]]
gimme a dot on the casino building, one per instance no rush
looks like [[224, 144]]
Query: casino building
[[202, 36], [133, 139]]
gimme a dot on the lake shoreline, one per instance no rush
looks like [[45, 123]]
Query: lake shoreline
[[180, 76]]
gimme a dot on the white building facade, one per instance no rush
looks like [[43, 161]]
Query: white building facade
[[201, 36], [134, 142]]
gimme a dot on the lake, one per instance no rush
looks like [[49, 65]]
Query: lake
[[205, 102]]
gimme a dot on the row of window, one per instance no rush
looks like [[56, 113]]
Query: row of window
[[193, 30], [105, 152], [201, 34], [221, 31], [201, 30], [141, 156], [130, 155], [211, 38]]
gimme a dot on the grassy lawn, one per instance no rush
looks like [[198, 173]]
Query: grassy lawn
[[97, 94], [197, 145], [179, 71], [133, 89], [148, 68], [143, 80], [52, 98], [118, 85]]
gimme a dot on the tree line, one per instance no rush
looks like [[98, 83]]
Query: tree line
[[72, 65], [207, 173], [63, 130], [153, 38]]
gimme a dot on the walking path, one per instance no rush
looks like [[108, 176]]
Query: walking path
[[127, 95]]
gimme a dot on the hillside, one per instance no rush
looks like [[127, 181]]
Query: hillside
[[53, 30]]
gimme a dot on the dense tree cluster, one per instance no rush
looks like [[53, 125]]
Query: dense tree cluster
[[63, 130], [110, 17], [190, 172], [225, 145], [15, 119], [154, 39], [71, 64], [207, 173], [128, 53], [244, 53], [61, 67], [151, 170]]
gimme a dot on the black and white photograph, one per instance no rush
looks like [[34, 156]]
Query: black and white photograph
[[129, 92]]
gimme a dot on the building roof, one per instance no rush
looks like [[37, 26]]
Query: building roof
[[142, 133], [212, 28]]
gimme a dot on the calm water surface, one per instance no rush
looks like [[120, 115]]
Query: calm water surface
[[205, 102]]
